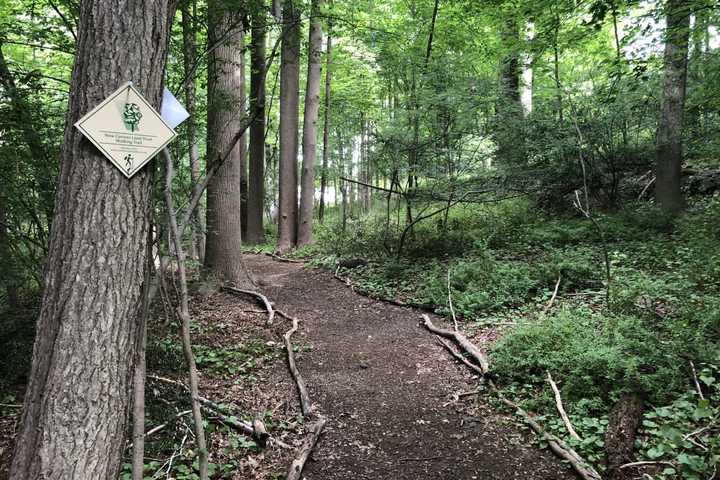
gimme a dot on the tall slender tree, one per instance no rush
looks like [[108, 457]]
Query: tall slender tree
[[668, 162], [326, 125], [197, 238], [312, 109], [289, 110], [256, 175], [75, 414], [226, 110]]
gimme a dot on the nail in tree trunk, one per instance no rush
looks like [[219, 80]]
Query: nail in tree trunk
[[77, 401], [669, 136], [226, 111], [256, 183], [289, 107], [326, 128], [312, 108], [197, 235]]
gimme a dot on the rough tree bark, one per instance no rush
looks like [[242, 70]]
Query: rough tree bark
[[326, 127], [289, 108], [668, 162], [312, 109], [256, 183], [226, 111], [625, 419], [189, 59], [77, 401]]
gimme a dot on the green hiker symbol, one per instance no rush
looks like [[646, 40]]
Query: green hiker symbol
[[128, 162], [131, 116]]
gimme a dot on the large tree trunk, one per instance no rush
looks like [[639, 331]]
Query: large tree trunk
[[226, 111], [76, 405], [312, 108], [256, 183], [289, 105], [189, 58], [326, 128], [669, 136]]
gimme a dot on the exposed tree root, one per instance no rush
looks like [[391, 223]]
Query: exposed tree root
[[458, 356], [258, 295], [461, 340], [421, 306], [297, 465]]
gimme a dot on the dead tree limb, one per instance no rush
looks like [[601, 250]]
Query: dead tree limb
[[450, 302], [297, 465], [306, 405], [560, 448], [461, 340], [554, 295], [561, 409], [258, 295], [458, 356]]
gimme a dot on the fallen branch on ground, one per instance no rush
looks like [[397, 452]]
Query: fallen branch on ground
[[646, 464], [554, 295], [306, 405], [258, 295], [282, 259], [460, 358], [297, 465], [461, 340], [560, 408], [560, 448]]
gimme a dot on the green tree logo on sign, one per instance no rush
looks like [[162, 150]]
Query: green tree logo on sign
[[131, 116]]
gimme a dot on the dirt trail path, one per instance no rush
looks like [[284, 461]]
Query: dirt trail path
[[382, 381]]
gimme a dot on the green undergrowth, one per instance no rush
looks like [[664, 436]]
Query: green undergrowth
[[502, 263]]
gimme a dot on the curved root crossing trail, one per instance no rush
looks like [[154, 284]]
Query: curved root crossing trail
[[385, 385]]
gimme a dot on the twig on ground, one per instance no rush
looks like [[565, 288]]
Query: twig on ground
[[646, 464], [283, 259], [258, 295], [458, 356], [162, 426], [695, 379], [297, 465], [552, 299], [560, 448], [561, 409], [461, 340], [306, 405], [450, 303]]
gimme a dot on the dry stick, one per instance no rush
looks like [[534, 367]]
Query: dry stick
[[552, 299], [296, 467], [306, 405], [695, 379], [462, 359], [283, 259], [461, 340], [184, 312], [450, 304], [157, 428], [646, 463], [560, 448], [263, 298], [561, 409]]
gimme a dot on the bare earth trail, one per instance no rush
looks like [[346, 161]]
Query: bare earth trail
[[383, 383]]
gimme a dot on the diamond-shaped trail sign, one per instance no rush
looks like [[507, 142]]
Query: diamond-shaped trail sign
[[126, 129]]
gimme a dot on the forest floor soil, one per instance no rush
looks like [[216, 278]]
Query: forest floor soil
[[386, 387]]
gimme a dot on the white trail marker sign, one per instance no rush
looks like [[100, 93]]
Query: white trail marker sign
[[126, 129]]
